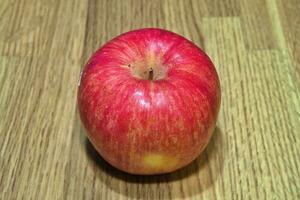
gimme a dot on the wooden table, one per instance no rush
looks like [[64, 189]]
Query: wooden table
[[254, 153]]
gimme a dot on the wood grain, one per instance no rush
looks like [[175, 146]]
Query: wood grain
[[254, 152]]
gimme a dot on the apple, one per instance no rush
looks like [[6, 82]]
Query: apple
[[149, 100]]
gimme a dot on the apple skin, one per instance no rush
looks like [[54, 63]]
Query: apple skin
[[149, 100]]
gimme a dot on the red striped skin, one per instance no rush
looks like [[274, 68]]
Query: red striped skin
[[128, 117]]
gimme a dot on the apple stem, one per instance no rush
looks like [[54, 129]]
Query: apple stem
[[150, 74]]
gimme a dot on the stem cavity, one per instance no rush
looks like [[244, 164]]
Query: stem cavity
[[150, 75]]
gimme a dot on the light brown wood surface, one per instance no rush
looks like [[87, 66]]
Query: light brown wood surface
[[254, 153]]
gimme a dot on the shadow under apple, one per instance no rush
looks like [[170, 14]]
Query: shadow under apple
[[189, 181]]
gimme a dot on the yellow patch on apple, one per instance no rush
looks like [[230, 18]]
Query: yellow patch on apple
[[159, 161]]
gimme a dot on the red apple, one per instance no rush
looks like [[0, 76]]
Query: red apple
[[149, 100]]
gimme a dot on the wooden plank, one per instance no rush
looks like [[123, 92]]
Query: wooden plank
[[218, 8], [257, 27], [38, 97], [288, 12]]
